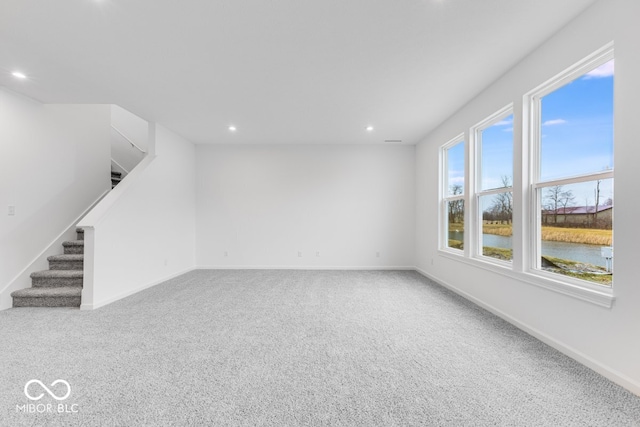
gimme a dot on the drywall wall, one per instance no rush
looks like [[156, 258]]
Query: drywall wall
[[143, 232], [345, 206], [129, 137], [132, 126], [55, 165], [606, 339]]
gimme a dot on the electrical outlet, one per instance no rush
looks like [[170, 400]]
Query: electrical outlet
[[377, 254], [226, 253], [299, 254], [12, 210], [317, 253]]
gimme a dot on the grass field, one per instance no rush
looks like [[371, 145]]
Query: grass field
[[498, 253], [588, 272], [587, 236], [497, 229]]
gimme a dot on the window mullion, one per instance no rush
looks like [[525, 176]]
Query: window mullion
[[574, 180]]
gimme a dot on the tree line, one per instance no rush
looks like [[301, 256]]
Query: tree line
[[556, 201]]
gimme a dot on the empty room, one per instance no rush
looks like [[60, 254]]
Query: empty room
[[319, 213]]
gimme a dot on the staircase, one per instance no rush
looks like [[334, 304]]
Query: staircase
[[116, 177], [61, 285]]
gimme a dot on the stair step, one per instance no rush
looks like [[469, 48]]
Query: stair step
[[57, 278], [66, 262], [73, 247], [80, 233], [114, 182], [47, 297], [116, 174]]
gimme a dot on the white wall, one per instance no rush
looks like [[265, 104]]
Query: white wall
[[263, 204], [134, 127], [143, 232], [55, 164], [607, 340], [127, 128]]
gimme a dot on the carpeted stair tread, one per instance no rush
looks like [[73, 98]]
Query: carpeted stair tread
[[73, 247], [116, 174], [66, 257], [63, 296], [57, 278], [62, 291], [58, 274], [66, 262]]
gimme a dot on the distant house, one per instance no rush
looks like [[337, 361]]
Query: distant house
[[580, 215]]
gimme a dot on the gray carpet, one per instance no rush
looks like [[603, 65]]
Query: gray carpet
[[277, 348]]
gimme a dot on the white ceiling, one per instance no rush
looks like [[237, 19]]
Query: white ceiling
[[282, 71]]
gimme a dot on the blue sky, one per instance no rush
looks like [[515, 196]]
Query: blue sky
[[455, 166], [577, 133], [577, 126], [577, 138], [497, 154]]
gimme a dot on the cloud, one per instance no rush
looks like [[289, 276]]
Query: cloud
[[456, 180], [605, 70], [509, 129], [554, 122], [507, 122]]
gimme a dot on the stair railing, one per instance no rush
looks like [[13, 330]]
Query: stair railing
[[133, 144]]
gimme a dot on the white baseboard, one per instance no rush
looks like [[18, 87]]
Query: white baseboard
[[607, 372], [86, 306], [130, 292], [303, 267]]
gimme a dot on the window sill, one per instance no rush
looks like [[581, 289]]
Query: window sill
[[595, 294]]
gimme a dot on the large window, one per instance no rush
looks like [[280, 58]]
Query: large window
[[453, 194], [546, 216], [493, 139], [572, 173]]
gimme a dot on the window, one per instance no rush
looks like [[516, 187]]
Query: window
[[560, 213], [493, 143], [572, 173], [453, 203]]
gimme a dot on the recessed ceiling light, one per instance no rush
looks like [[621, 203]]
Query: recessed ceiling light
[[232, 128], [369, 128], [18, 75]]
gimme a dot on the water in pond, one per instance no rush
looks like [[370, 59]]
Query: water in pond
[[569, 251]]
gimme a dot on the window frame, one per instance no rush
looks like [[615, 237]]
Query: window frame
[[476, 144], [532, 105], [525, 211], [445, 198]]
